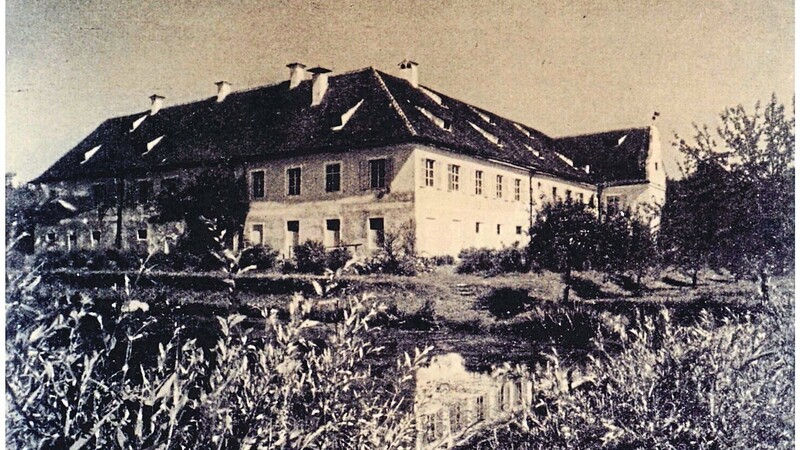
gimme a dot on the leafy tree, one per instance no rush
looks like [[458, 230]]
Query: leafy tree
[[564, 238], [626, 244], [753, 230], [218, 197]]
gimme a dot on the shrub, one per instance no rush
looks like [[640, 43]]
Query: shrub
[[505, 302], [310, 257], [493, 262], [261, 256], [337, 258]]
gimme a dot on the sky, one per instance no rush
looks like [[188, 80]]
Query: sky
[[585, 67]]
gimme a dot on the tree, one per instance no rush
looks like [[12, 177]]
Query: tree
[[564, 238], [626, 243], [218, 197], [753, 230]]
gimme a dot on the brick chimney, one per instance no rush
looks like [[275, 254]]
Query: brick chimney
[[408, 71], [223, 89], [319, 84], [156, 102], [297, 73]]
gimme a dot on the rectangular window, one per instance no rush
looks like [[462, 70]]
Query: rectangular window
[[517, 189], [294, 180], [429, 173], [480, 408], [141, 234], [580, 197], [478, 182], [499, 193], [257, 179], [51, 237], [377, 174], [95, 236], [376, 233], [72, 240], [498, 228], [555, 193], [333, 233], [257, 234], [333, 177], [613, 204], [452, 177], [568, 195], [144, 189], [519, 229], [477, 227], [292, 236]]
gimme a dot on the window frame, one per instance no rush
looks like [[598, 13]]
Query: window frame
[[517, 189], [453, 171], [499, 186], [377, 179], [337, 175], [262, 187], [337, 235], [429, 173], [252, 230], [139, 234], [479, 182], [294, 189]]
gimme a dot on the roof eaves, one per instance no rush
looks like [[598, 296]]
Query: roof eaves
[[395, 105]]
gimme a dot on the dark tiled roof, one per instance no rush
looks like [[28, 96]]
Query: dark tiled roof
[[271, 121], [613, 156]]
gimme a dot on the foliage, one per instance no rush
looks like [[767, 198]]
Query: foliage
[[658, 384], [493, 262], [396, 254], [216, 196], [564, 238], [626, 243], [337, 258], [312, 257], [100, 259], [752, 230], [261, 256], [83, 374], [21, 206]]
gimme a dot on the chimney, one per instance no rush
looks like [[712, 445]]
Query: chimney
[[297, 73], [156, 102], [408, 71], [319, 84], [223, 89]]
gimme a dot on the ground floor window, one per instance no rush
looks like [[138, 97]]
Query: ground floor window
[[519, 229], [498, 228], [257, 234], [292, 236], [141, 234], [51, 237], [333, 233], [72, 240], [95, 237], [376, 232]]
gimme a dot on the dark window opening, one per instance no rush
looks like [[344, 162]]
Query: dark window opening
[[377, 174], [141, 234], [333, 177], [258, 184], [498, 228], [293, 226], [376, 231], [144, 189], [519, 229], [294, 181], [332, 232], [51, 237]]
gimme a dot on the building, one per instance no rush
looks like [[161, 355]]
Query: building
[[344, 159]]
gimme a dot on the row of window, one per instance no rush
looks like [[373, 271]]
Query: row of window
[[94, 237], [332, 237], [374, 178], [454, 180], [140, 193]]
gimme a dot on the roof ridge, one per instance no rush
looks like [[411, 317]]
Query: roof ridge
[[619, 130], [394, 101]]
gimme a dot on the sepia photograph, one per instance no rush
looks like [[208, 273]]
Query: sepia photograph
[[375, 224]]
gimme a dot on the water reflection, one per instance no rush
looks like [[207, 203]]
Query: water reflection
[[450, 400]]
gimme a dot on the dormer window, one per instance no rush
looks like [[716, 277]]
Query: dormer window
[[432, 95], [489, 136], [441, 123], [346, 116], [90, 153]]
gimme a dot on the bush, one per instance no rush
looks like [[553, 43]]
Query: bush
[[493, 262], [337, 258], [310, 257], [505, 302], [102, 259], [261, 256]]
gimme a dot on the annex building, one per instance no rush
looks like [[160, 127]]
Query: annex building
[[344, 159]]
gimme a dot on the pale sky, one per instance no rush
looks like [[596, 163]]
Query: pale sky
[[587, 67]]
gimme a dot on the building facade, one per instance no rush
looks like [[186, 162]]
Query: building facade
[[344, 160]]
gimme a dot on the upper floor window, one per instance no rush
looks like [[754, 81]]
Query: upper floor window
[[257, 178], [499, 193], [656, 167], [144, 189], [555, 193], [294, 180], [517, 189], [452, 177], [580, 197], [377, 173], [613, 204], [429, 173], [478, 182], [568, 195], [333, 177]]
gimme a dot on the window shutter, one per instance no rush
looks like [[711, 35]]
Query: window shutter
[[422, 172], [389, 172]]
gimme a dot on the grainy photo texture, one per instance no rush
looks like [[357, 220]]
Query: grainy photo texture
[[399, 224]]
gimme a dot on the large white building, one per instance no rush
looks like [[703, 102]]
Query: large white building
[[344, 159]]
